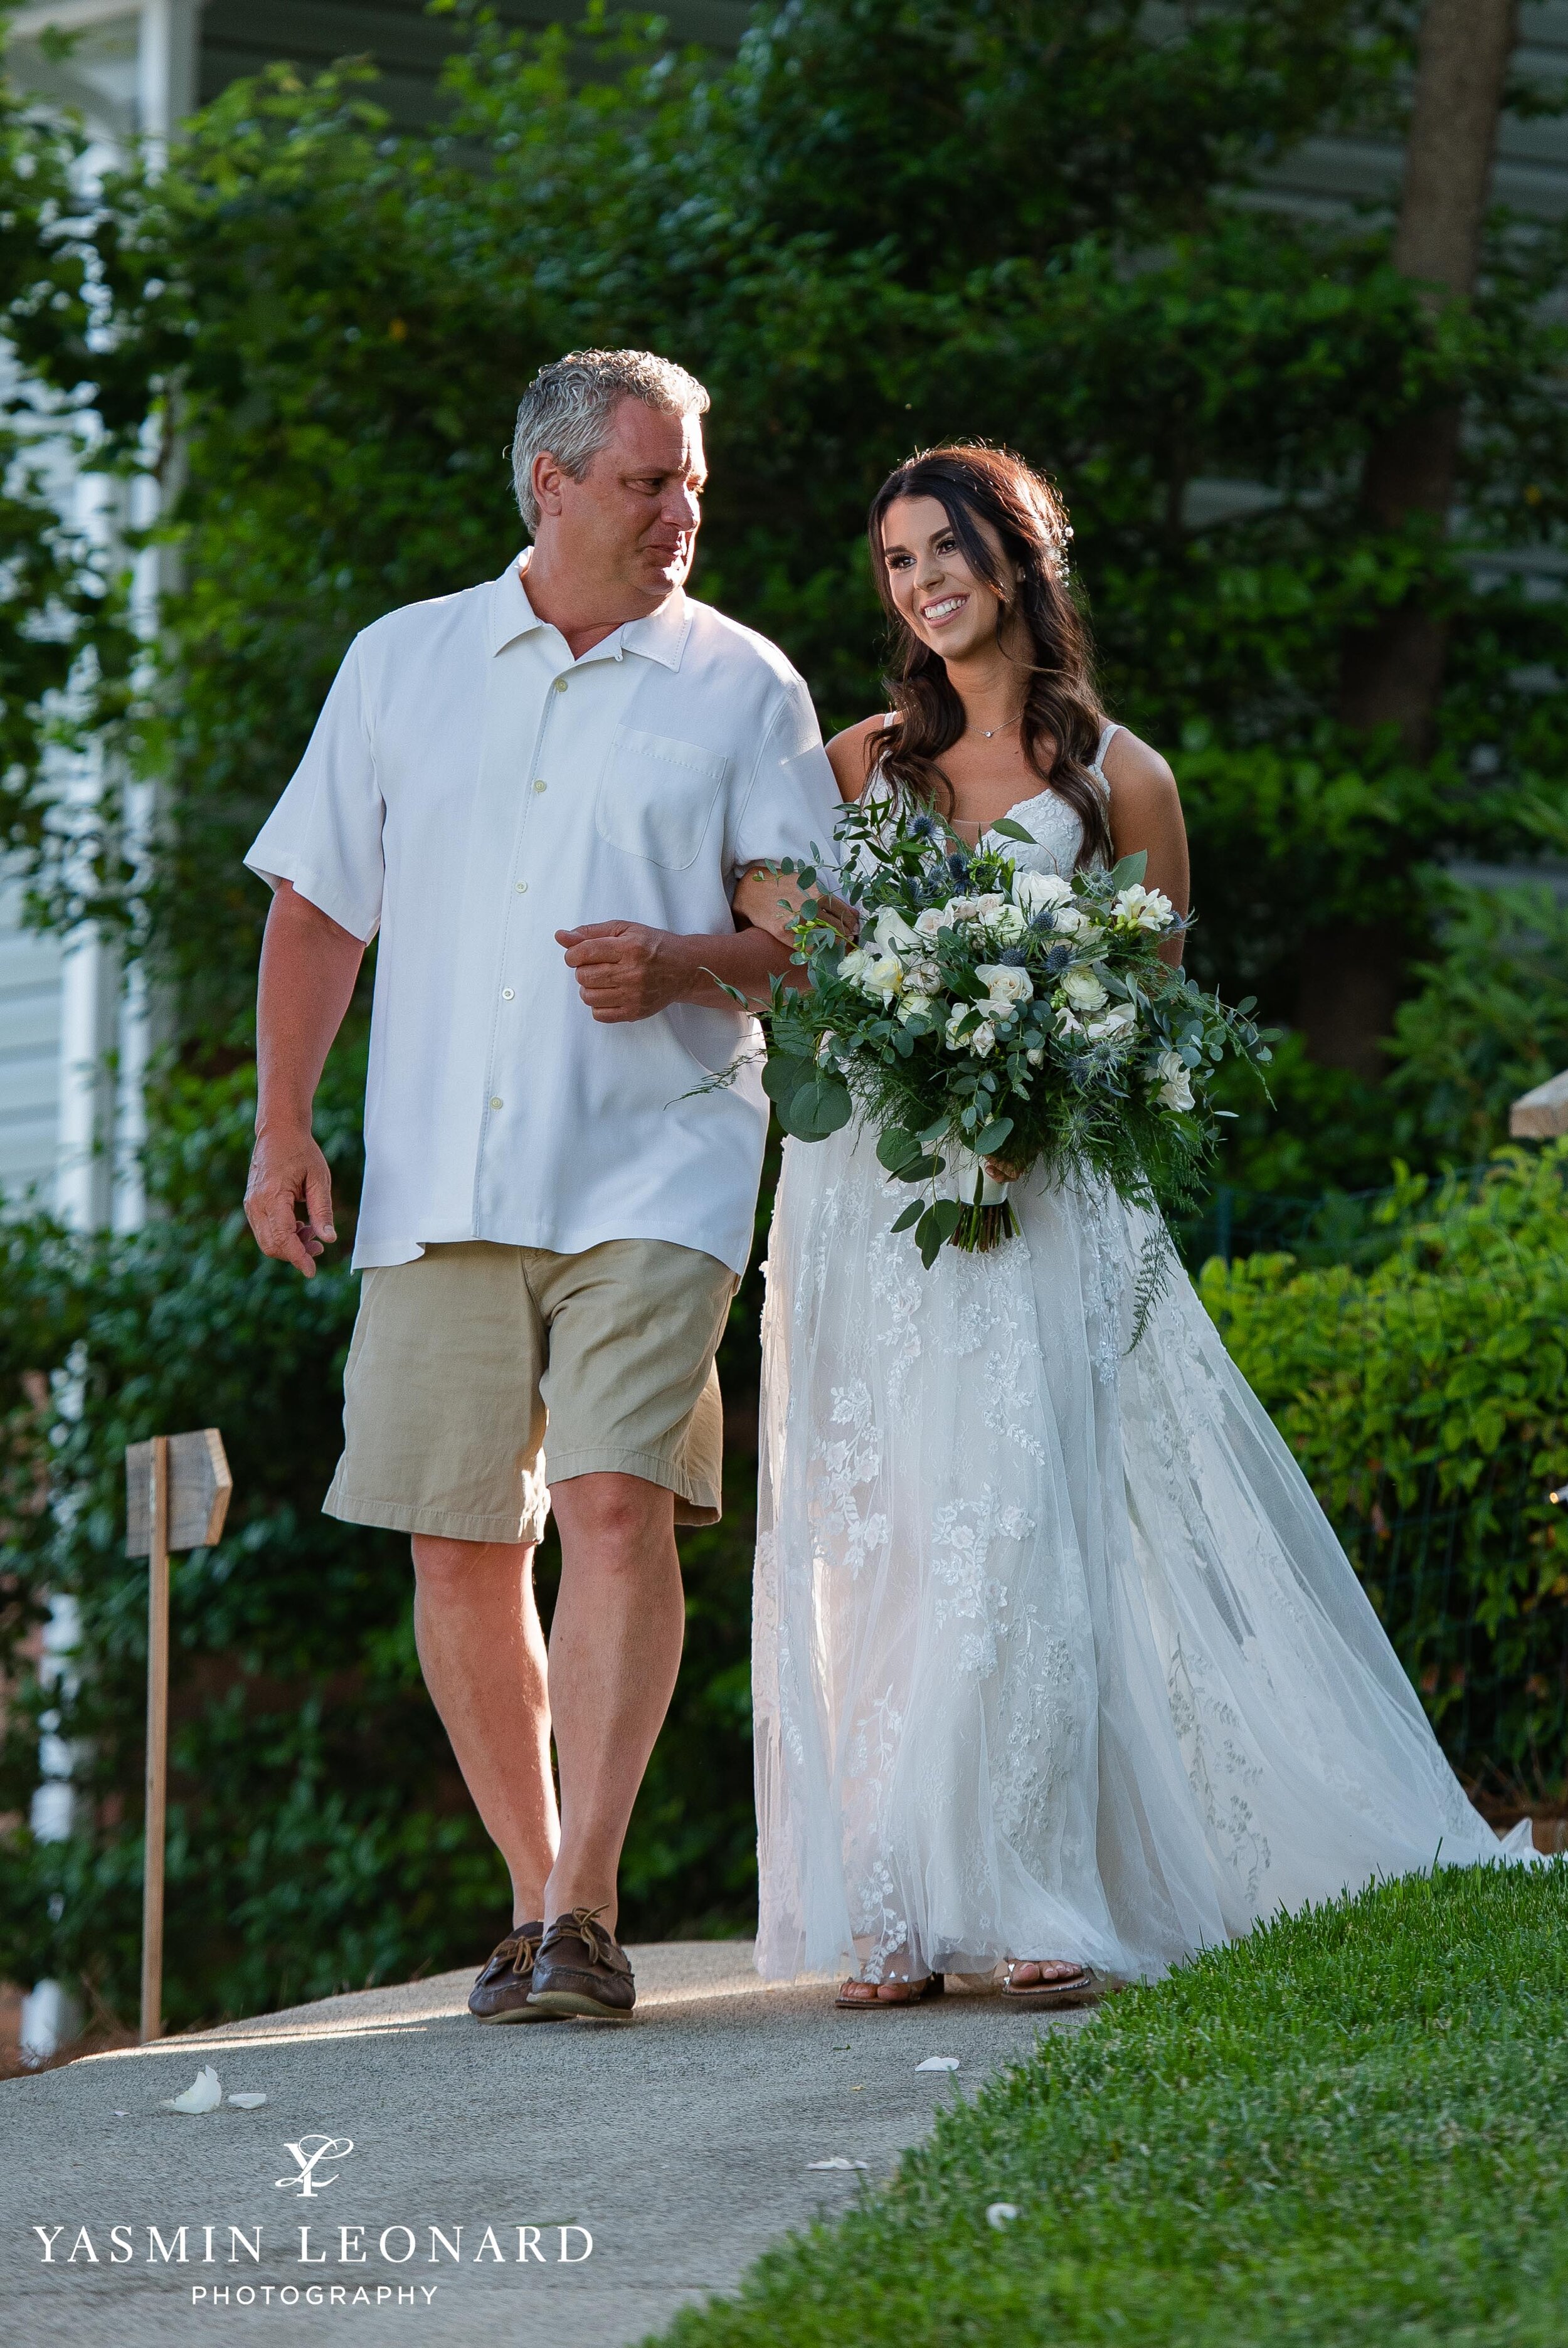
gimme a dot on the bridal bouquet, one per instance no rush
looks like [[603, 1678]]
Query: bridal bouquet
[[986, 1021]]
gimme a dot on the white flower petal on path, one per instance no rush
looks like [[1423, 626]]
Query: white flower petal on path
[[837, 2162], [246, 2103], [203, 2094], [938, 2062], [1001, 2214]]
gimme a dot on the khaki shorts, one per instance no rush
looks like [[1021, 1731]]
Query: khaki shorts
[[461, 1361]]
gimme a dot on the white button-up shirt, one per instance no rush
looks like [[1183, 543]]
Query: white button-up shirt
[[470, 789]]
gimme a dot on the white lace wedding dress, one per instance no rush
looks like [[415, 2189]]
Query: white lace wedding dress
[[1056, 1654]]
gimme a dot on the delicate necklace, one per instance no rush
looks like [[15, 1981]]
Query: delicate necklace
[[987, 733]]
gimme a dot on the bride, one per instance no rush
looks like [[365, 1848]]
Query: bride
[[1058, 1666]]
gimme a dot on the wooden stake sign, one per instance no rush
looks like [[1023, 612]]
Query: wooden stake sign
[[177, 1491]]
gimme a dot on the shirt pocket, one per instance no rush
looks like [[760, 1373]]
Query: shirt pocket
[[657, 797]]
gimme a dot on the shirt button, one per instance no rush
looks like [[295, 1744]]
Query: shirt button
[[523, 887], [560, 685], [506, 993], [496, 1101], [542, 785]]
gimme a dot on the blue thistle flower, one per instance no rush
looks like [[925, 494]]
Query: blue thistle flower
[[958, 864], [1014, 956], [1058, 958], [923, 828]]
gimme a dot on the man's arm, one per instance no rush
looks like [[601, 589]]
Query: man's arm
[[309, 965], [627, 971]]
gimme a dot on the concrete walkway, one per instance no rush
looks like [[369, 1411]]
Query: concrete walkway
[[680, 2146]]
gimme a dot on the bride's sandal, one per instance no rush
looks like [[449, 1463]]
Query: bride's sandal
[[1071, 1989], [914, 1994]]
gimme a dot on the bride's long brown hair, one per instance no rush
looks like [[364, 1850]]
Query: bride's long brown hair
[[1062, 718]]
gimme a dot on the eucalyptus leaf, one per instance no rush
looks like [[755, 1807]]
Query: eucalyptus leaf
[[911, 1215], [1008, 830], [1130, 871], [896, 1148], [987, 1143], [783, 1075], [819, 1108]]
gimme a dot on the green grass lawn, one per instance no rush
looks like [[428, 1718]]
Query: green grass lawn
[[1351, 2127]]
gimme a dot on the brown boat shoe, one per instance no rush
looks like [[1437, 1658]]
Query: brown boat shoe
[[500, 1993], [582, 1969]]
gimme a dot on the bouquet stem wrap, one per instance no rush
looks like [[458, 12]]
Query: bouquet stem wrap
[[988, 1218]]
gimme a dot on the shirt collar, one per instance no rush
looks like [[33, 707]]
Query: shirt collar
[[660, 636], [510, 614]]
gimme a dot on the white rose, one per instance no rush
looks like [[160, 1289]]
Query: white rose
[[1040, 893], [1072, 921], [1036, 1057], [912, 1006], [963, 909], [983, 1039], [1005, 984], [987, 907], [925, 977], [1114, 1022], [1083, 990], [1144, 909], [955, 1019], [891, 934], [1175, 1081], [855, 964], [934, 920], [884, 976], [1007, 925]]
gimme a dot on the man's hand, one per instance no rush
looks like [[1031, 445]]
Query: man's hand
[[627, 971], [289, 1170]]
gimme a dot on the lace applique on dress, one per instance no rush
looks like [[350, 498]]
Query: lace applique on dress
[[847, 1469], [1221, 1768]]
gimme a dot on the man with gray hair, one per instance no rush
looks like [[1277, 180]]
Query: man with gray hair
[[543, 792]]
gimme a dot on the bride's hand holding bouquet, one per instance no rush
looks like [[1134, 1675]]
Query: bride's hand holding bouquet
[[985, 1020]]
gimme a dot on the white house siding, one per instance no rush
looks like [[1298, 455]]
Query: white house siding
[[30, 1055]]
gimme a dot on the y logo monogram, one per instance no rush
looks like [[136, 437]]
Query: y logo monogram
[[307, 2183]]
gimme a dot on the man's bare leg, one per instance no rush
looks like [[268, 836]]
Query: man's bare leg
[[615, 1649], [483, 1656]]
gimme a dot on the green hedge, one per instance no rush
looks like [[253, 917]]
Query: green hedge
[[1427, 1402]]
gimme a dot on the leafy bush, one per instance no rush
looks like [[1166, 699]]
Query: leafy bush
[[1490, 1018], [1427, 1402]]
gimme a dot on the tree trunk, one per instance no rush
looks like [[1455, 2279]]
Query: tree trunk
[[1391, 674]]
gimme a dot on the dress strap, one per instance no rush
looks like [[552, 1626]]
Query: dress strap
[[1097, 764]]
